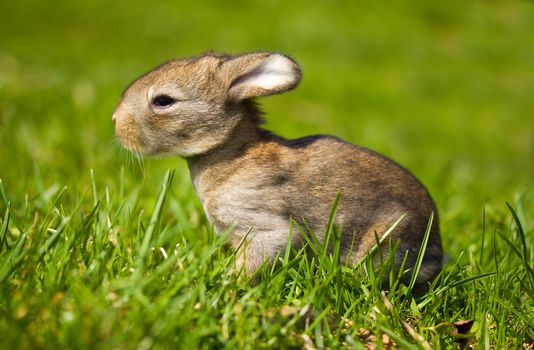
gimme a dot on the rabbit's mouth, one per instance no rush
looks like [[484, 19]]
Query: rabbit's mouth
[[128, 133]]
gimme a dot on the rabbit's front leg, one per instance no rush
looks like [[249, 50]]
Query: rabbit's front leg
[[259, 248]]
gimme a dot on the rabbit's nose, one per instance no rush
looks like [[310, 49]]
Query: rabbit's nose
[[114, 118]]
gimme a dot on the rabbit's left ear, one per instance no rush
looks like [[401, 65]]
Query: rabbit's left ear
[[261, 74]]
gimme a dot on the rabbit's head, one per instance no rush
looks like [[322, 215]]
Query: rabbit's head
[[190, 106]]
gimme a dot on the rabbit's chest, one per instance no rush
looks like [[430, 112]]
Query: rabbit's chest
[[243, 206]]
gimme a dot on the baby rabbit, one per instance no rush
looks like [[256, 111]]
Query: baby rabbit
[[203, 109]]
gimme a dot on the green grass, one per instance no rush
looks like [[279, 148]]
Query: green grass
[[101, 250]]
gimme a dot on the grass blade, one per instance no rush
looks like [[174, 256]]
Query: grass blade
[[524, 256], [421, 255], [330, 224], [381, 240], [4, 228], [13, 258], [145, 246], [3, 193]]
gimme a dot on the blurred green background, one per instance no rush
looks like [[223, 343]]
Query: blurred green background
[[444, 88]]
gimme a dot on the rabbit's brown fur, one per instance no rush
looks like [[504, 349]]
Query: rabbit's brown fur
[[251, 179]]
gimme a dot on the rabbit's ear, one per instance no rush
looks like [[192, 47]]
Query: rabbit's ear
[[261, 74]]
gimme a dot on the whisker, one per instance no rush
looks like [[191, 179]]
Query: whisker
[[140, 161]]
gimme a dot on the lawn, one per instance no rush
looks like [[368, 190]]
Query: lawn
[[101, 249]]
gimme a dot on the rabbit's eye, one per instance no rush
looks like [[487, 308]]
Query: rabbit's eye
[[163, 101]]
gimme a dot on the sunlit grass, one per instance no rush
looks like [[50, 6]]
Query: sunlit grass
[[107, 274]]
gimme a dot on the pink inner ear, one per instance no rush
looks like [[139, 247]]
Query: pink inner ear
[[276, 73]]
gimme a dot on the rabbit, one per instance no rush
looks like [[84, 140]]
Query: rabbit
[[204, 109]]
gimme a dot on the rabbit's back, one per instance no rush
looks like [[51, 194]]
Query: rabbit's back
[[374, 193]]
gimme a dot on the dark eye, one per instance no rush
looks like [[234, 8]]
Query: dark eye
[[163, 101]]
